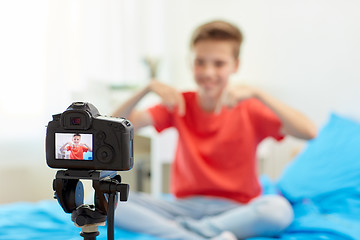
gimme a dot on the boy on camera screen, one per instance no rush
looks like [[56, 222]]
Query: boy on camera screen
[[76, 147]]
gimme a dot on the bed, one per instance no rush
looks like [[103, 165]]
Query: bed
[[322, 184]]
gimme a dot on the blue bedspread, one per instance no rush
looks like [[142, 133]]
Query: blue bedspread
[[322, 184], [46, 220]]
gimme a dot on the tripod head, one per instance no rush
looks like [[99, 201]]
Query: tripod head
[[69, 192]]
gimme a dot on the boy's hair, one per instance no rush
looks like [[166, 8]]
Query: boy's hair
[[77, 134], [218, 30]]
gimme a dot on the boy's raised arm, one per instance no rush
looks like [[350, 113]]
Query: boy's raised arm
[[127, 110], [63, 146], [170, 97], [294, 122]]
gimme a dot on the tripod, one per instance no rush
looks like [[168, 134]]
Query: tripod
[[69, 192]]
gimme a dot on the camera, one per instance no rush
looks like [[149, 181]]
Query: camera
[[80, 138], [93, 147]]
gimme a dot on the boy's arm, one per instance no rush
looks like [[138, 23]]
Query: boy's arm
[[294, 122], [88, 148], [127, 110], [141, 118], [63, 147]]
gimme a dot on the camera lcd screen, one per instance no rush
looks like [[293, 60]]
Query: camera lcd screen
[[74, 146]]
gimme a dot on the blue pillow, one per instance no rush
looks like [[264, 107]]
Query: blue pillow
[[329, 162]]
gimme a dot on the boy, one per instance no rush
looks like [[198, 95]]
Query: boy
[[76, 148], [214, 181]]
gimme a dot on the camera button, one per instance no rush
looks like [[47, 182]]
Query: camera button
[[127, 123], [104, 154]]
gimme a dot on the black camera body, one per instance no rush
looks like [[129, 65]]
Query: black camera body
[[80, 138]]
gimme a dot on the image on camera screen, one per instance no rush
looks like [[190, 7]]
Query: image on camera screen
[[74, 146]]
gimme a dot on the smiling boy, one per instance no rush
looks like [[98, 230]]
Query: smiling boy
[[214, 174]]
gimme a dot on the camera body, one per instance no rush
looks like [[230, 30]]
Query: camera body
[[80, 138]]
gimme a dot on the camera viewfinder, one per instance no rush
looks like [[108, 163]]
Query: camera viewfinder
[[75, 121]]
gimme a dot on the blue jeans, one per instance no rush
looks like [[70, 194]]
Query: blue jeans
[[199, 218]]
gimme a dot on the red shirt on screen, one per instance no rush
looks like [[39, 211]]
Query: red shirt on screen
[[216, 153], [76, 152]]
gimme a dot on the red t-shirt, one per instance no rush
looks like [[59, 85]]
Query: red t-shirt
[[76, 152], [216, 153]]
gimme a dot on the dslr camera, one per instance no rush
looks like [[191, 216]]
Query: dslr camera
[[93, 147], [80, 138]]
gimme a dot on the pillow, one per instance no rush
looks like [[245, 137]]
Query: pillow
[[329, 162]]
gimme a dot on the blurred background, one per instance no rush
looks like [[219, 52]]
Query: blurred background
[[54, 52]]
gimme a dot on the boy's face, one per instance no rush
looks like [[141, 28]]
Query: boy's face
[[213, 64], [76, 140]]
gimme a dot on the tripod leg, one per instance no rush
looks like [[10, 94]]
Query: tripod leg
[[110, 217]]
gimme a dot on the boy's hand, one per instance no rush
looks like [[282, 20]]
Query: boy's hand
[[232, 95], [170, 96]]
